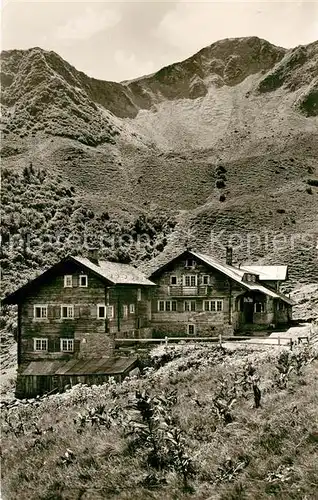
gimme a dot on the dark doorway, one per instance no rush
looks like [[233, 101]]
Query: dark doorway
[[247, 308], [248, 312]]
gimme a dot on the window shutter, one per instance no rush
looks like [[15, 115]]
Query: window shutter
[[51, 344], [50, 312], [77, 344], [75, 280], [84, 312], [76, 311], [56, 312], [29, 344]]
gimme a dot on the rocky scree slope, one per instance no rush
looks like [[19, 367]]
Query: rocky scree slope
[[227, 139]]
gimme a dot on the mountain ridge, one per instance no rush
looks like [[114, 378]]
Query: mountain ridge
[[242, 105]]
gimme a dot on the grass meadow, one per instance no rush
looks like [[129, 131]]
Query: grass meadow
[[201, 422]]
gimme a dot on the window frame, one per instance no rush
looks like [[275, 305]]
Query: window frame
[[107, 309], [66, 340], [185, 276], [172, 306], [175, 277], [132, 309], [125, 311], [192, 265], [138, 294], [79, 280], [259, 304], [66, 276], [191, 303], [208, 279], [40, 306], [213, 305], [40, 339], [71, 306], [192, 325]]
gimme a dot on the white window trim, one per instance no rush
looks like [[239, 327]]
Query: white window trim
[[109, 311], [132, 308], [176, 283], [66, 276], [138, 294], [79, 281], [71, 341], [98, 306], [68, 306], [41, 306], [125, 311], [206, 276], [215, 301], [262, 307], [187, 263], [190, 275], [165, 306], [38, 339], [194, 328], [190, 302]]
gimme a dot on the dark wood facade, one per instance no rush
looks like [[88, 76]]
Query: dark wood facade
[[72, 313], [128, 313], [193, 298]]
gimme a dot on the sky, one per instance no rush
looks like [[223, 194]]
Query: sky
[[124, 40]]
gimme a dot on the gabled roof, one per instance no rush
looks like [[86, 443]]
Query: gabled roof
[[234, 273], [112, 273], [267, 273], [115, 272]]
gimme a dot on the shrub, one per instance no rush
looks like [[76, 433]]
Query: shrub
[[220, 184], [312, 182]]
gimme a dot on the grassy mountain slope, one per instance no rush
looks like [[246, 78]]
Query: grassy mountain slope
[[189, 428], [161, 141]]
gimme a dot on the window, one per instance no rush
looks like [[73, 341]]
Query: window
[[189, 263], [213, 305], [40, 312], [67, 312], [191, 329], [173, 280], [132, 308], [40, 344], [259, 307], [167, 305], [250, 277], [206, 280], [219, 305], [101, 311], [67, 345], [68, 281], [189, 305], [83, 281], [139, 294], [190, 280], [125, 311]]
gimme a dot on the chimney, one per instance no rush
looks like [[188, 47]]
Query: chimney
[[229, 256], [93, 255]]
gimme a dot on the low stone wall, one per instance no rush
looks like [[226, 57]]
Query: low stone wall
[[161, 330]]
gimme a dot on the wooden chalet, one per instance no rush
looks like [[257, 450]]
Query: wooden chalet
[[68, 318], [70, 315], [198, 295]]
